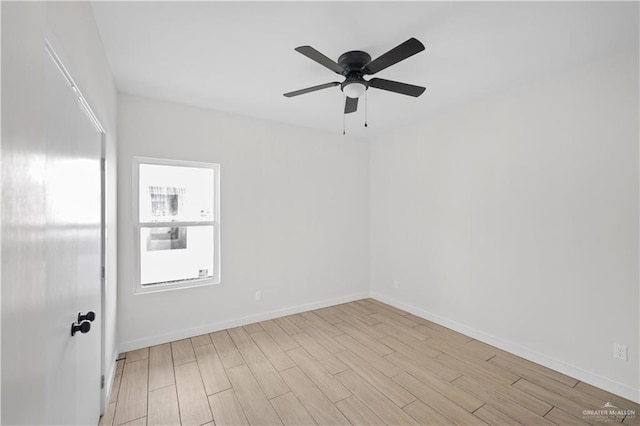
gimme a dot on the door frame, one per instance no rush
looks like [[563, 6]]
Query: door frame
[[55, 56]]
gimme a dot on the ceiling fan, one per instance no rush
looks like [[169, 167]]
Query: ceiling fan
[[354, 65]]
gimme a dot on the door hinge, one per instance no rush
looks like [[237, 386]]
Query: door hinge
[[102, 164], [102, 382], [102, 272]]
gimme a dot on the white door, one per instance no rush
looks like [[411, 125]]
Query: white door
[[73, 255]]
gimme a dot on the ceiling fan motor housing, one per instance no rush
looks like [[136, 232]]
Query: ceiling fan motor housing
[[353, 63]]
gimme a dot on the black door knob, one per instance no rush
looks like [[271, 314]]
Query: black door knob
[[89, 316], [83, 327]]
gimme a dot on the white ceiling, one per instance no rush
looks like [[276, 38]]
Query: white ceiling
[[239, 56]]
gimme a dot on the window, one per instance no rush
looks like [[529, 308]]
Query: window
[[177, 224]]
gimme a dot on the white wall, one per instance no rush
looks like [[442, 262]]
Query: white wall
[[72, 28], [515, 220], [294, 219]]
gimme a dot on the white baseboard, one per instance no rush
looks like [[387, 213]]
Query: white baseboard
[[223, 325], [554, 364]]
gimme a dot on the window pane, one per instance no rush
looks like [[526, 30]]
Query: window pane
[[176, 193], [168, 255]]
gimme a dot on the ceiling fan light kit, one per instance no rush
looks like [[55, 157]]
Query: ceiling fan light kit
[[354, 90], [354, 65]]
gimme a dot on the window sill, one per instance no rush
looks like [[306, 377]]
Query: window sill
[[159, 288]]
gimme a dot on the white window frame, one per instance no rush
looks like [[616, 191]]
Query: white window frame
[[137, 225]]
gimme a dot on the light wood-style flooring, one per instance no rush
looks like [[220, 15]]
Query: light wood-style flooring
[[361, 363]]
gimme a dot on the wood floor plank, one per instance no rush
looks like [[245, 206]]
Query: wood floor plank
[[605, 396], [458, 349], [441, 331], [212, 371], [253, 328], [137, 355], [492, 416], [364, 339], [435, 400], [321, 324], [571, 407], [530, 370], [329, 315], [182, 352], [252, 399], [520, 414], [317, 334], [160, 366], [426, 415], [404, 334], [378, 362], [115, 387], [274, 353], [397, 318], [226, 409], [575, 395], [561, 417], [240, 337], [320, 408], [384, 384], [142, 421], [389, 412], [358, 413], [478, 369], [444, 334], [295, 318], [496, 393], [425, 331], [132, 399], [319, 375], [418, 369], [358, 312], [488, 350], [229, 354], [460, 396], [163, 407], [370, 306], [109, 413], [192, 397], [201, 340], [278, 335], [395, 325], [271, 382], [287, 325], [357, 323], [416, 351], [291, 411], [324, 357]]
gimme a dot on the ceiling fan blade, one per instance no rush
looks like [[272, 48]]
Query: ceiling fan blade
[[350, 105], [313, 54], [395, 55], [397, 87], [311, 89]]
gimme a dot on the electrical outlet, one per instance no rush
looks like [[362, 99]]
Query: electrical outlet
[[396, 283], [258, 295], [620, 351]]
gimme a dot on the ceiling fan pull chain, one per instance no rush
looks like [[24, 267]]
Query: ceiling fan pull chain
[[365, 110], [344, 115]]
